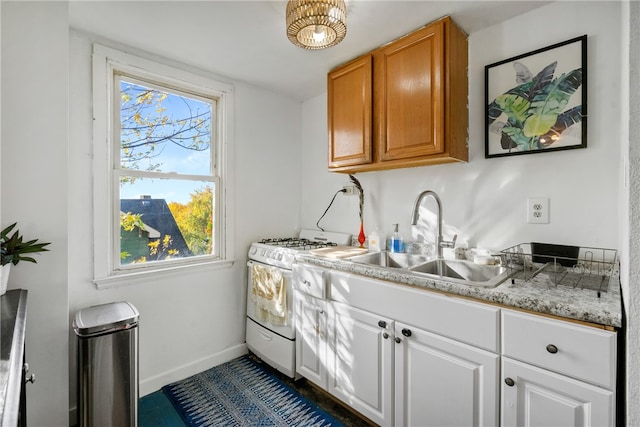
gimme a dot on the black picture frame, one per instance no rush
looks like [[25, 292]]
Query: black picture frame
[[537, 102]]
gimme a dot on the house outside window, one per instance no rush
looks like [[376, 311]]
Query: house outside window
[[161, 138]]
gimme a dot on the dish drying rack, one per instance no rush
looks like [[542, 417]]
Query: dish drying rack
[[573, 266]]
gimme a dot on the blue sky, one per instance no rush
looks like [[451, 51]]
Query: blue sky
[[170, 157]]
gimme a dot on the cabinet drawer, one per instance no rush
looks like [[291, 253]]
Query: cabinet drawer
[[575, 350], [310, 280], [469, 322]]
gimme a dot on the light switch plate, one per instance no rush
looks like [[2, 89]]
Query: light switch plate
[[538, 210]]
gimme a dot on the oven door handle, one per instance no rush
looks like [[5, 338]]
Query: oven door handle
[[285, 272]]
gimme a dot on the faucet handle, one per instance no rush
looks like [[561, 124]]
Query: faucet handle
[[451, 244]]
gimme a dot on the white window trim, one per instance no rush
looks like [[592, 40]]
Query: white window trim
[[105, 61]]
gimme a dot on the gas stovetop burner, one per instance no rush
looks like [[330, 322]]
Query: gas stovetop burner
[[281, 252], [296, 243]]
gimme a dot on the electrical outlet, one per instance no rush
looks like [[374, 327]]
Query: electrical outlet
[[350, 190], [538, 210]]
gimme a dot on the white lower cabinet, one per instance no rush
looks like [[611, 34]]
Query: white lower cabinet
[[533, 396], [393, 373], [441, 382], [347, 352], [556, 373], [405, 357], [311, 338], [361, 361]]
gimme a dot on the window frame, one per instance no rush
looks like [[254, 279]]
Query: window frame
[[110, 65]]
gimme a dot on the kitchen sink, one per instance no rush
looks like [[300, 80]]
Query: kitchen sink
[[466, 272], [390, 259], [459, 271]]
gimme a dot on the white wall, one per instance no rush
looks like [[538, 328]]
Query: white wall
[[188, 322], [35, 101], [484, 200], [192, 321]]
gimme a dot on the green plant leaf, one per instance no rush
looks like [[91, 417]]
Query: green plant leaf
[[542, 80], [7, 230], [522, 91], [515, 107], [565, 120], [517, 137], [548, 103], [13, 248]]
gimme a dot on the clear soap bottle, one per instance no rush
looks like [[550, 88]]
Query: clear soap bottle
[[375, 241], [397, 242]]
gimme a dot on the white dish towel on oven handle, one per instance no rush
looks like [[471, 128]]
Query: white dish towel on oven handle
[[269, 295]]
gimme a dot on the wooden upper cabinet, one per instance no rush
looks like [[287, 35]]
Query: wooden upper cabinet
[[349, 115], [419, 111], [409, 91]]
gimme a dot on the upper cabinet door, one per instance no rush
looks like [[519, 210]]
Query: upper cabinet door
[[349, 113], [415, 114], [409, 95]]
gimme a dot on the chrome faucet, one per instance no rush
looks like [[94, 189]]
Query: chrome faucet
[[440, 244]]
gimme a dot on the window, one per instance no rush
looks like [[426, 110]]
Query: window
[[160, 139]]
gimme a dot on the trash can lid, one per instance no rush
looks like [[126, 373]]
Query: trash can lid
[[105, 318]]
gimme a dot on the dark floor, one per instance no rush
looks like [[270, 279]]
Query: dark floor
[[324, 400], [155, 409]]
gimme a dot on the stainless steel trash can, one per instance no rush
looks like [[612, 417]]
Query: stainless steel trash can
[[107, 387]]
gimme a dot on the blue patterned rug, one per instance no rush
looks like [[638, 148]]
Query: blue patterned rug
[[242, 393]]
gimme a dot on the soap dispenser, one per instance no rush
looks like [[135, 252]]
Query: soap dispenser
[[397, 242]]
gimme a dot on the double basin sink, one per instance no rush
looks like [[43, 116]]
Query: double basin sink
[[459, 271]]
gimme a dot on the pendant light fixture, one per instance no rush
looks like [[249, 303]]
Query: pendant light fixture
[[316, 24]]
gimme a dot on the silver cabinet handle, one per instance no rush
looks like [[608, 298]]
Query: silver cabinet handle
[[509, 381], [552, 349], [385, 335], [398, 340]]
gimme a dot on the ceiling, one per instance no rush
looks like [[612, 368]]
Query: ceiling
[[246, 40]]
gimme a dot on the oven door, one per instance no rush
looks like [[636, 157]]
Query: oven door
[[287, 331]]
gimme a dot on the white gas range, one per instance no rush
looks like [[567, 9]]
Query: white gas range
[[270, 300]]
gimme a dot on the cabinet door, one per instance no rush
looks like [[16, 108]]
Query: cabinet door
[[361, 365], [311, 342], [441, 382], [349, 113], [570, 349], [409, 93], [535, 397]]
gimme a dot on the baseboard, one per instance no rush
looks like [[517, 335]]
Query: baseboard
[[155, 383]]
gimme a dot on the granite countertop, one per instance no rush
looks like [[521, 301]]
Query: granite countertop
[[538, 294]]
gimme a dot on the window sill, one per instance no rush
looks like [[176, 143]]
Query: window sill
[[133, 278]]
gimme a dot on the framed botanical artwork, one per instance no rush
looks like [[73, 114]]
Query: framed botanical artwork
[[537, 102]]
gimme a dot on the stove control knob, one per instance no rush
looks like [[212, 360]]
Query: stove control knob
[[253, 251], [277, 256]]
